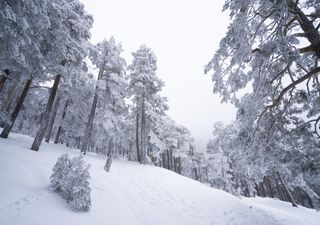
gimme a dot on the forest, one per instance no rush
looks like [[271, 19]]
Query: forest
[[57, 86]]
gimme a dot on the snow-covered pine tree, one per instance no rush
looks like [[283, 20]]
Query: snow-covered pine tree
[[64, 45], [271, 51], [109, 95], [22, 23], [145, 86]]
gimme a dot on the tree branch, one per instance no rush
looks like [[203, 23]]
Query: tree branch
[[306, 49], [292, 85]]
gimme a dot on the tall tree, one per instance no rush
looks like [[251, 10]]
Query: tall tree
[[267, 66], [66, 44], [109, 92], [145, 86]]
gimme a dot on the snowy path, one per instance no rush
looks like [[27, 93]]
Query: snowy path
[[131, 194]]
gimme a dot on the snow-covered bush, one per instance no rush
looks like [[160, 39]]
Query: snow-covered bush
[[70, 179], [76, 186], [60, 172]]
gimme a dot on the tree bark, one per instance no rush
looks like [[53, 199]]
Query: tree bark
[[309, 200], [307, 26], [257, 189], [43, 126], [7, 129], [56, 139], [89, 126], [143, 134], [291, 199], [269, 186], [9, 101], [52, 118], [4, 79], [137, 138], [108, 163]]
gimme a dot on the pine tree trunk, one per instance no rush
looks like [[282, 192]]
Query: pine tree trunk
[[89, 125], [163, 155], [108, 163], [56, 139], [309, 201], [291, 199], [52, 118], [7, 129], [269, 186], [257, 189], [168, 160], [279, 191], [180, 166], [88, 130], [137, 138], [44, 122], [9, 101], [171, 159], [4, 79]]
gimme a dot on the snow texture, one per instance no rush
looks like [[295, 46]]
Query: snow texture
[[131, 194]]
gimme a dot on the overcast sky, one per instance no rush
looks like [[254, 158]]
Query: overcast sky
[[184, 35]]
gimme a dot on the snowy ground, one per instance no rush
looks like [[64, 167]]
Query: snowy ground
[[131, 194]]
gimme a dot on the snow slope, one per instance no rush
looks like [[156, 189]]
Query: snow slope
[[131, 194]]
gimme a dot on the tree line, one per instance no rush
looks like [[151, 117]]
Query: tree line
[[49, 89]]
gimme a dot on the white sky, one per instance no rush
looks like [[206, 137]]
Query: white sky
[[184, 35]]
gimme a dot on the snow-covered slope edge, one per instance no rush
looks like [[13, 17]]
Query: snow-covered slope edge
[[131, 194]]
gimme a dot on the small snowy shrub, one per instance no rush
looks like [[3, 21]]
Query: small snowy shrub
[[76, 186], [60, 171], [70, 179]]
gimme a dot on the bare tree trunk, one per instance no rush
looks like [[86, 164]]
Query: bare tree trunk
[[52, 118], [56, 139], [43, 126], [293, 202], [7, 129]]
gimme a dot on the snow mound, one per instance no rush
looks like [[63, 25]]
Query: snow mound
[[131, 194]]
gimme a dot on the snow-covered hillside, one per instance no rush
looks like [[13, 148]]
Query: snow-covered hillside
[[131, 194]]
